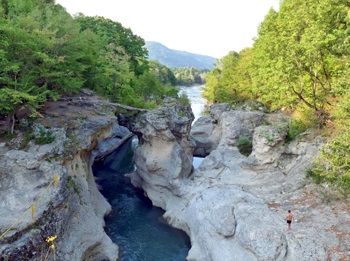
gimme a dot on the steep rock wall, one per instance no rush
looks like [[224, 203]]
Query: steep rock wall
[[74, 209], [233, 207]]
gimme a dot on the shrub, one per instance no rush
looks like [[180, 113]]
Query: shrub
[[244, 145], [302, 119], [295, 127], [184, 100], [44, 136], [333, 163]]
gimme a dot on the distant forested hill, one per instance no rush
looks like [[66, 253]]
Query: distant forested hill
[[175, 58]]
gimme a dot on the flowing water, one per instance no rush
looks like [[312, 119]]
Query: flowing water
[[194, 94], [136, 226]]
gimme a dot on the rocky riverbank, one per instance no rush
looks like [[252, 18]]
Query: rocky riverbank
[[74, 209], [232, 207]]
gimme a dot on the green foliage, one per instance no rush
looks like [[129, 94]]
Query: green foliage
[[150, 104], [295, 128], [303, 119], [117, 65], [111, 32], [333, 164], [188, 76], [44, 53], [27, 137], [163, 73], [44, 136], [12, 100], [230, 81], [38, 57], [299, 55], [10, 136], [299, 62], [298, 59], [184, 100], [310, 173], [171, 91], [244, 145], [72, 184]]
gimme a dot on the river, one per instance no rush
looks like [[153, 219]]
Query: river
[[194, 93], [134, 223]]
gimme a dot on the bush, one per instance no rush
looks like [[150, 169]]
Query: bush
[[244, 145], [295, 128], [184, 100], [333, 163], [303, 119], [44, 136], [171, 92]]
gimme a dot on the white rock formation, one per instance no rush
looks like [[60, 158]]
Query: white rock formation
[[233, 207], [74, 210]]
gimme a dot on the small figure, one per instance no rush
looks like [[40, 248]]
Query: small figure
[[289, 219]]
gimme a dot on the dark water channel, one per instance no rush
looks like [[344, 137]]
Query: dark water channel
[[134, 224]]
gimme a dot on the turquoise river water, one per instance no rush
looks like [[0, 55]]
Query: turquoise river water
[[134, 224]]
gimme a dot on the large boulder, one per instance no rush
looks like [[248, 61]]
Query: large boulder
[[268, 145], [165, 154], [223, 128], [206, 135]]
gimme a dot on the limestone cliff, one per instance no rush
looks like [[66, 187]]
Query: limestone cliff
[[74, 209], [233, 207]]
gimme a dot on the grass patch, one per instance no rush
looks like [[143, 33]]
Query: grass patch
[[27, 137]]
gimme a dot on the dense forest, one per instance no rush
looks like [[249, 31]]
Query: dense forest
[[45, 54], [299, 63], [188, 76]]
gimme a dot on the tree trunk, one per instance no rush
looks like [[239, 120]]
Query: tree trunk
[[12, 123]]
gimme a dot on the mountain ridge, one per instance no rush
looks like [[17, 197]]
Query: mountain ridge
[[176, 58]]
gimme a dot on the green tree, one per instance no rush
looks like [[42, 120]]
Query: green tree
[[164, 74], [188, 76], [333, 164], [300, 53], [39, 55], [113, 32], [230, 81]]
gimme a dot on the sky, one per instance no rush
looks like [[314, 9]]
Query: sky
[[208, 27]]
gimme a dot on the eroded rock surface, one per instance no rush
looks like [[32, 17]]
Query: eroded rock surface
[[233, 207], [74, 210]]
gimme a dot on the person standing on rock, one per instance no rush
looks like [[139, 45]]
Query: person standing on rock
[[289, 219]]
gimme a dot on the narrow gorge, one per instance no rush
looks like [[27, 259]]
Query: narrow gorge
[[232, 206]]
